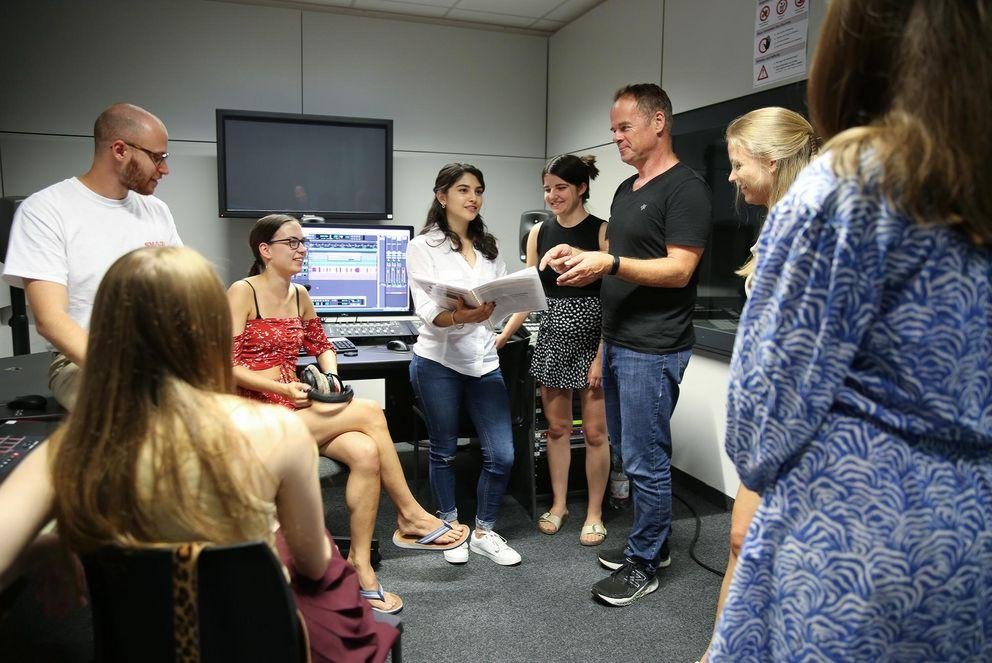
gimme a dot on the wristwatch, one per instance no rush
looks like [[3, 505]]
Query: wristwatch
[[616, 265]]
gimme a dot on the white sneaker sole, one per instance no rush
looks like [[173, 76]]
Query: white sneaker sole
[[492, 557], [643, 591], [457, 556]]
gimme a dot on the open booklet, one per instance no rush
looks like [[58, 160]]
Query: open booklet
[[520, 291]]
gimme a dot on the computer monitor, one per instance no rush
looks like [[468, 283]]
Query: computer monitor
[[357, 270]]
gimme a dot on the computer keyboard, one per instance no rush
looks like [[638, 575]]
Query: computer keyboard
[[371, 332], [343, 346], [13, 449]]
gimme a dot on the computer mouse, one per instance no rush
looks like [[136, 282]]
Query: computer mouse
[[397, 345], [28, 402]]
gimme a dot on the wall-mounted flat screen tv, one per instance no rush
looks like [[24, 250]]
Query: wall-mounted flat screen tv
[[332, 167], [698, 137]]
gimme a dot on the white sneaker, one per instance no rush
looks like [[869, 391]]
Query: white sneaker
[[457, 555], [493, 546]]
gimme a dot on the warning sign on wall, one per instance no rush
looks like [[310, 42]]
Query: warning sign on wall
[[780, 37]]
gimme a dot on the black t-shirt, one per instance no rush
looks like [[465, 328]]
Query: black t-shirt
[[671, 209], [583, 235]]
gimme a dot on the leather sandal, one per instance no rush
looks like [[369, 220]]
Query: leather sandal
[[598, 529], [551, 519]]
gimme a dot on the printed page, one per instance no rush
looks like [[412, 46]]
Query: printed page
[[520, 291], [446, 295]]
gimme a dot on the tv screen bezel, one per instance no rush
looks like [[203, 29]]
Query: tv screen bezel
[[224, 114], [338, 317]]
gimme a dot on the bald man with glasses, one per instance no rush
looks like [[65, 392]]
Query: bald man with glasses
[[66, 236]]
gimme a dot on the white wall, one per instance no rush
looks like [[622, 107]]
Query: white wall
[[708, 55], [455, 94], [700, 52]]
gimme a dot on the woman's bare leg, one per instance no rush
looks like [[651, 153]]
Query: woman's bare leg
[[745, 505], [327, 421], [361, 495], [558, 411], [597, 455]]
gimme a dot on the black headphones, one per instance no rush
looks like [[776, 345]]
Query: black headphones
[[325, 387]]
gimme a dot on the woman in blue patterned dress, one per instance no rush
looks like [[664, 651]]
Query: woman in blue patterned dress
[[860, 402], [768, 148]]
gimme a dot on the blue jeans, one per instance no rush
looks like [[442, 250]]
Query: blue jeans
[[443, 393], [641, 391]]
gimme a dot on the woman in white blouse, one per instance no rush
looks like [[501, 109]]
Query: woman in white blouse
[[455, 364]]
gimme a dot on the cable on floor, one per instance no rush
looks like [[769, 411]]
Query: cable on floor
[[695, 538]]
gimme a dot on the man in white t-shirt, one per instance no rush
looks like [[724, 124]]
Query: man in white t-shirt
[[66, 236]]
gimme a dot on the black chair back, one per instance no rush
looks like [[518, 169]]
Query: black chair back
[[244, 610]]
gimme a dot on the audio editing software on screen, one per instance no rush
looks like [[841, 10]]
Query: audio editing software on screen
[[357, 270]]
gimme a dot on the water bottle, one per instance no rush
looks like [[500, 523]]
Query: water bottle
[[619, 484]]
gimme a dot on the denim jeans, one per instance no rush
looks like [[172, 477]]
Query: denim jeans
[[641, 391], [442, 394]]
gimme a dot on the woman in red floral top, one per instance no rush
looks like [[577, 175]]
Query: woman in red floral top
[[273, 318]]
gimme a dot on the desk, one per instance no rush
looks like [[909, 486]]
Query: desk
[[27, 374]]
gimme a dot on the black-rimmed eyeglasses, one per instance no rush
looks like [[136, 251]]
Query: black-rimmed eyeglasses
[[156, 157], [292, 242]]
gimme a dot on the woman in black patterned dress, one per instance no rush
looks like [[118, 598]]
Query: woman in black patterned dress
[[567, 353]]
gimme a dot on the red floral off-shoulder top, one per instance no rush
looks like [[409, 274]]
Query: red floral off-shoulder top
[[268, 342]]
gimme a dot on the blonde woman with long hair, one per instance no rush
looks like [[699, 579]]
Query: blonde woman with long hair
[[860, 403], [768, 147], [159, 450]]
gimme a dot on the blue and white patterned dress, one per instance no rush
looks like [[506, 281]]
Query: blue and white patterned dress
[[860, 407]]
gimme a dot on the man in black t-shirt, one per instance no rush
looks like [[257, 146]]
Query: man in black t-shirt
[[659, 223]]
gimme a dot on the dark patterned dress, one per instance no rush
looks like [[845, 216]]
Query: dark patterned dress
[[568, 338], [860, 407]]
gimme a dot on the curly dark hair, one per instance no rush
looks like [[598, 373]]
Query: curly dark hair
[[436, 218]]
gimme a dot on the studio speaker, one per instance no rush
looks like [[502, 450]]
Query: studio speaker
[[527, 221]]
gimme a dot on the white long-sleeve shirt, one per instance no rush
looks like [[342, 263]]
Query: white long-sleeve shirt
[[470, 350]]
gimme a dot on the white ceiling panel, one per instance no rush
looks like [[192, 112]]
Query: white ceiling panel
[[547, 26], [532, 16], [488, 17], [573, 9], [529, 8], [404, 8]]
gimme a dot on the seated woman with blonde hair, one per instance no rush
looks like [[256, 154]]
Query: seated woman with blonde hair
[[272, 319], [159, 450]]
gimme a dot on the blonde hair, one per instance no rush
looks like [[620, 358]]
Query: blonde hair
[[907, 84], [159, 353], [779, 135]]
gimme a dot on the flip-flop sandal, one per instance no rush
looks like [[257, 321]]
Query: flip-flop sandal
[[599, 529], [378, 594], [553, 520], [427, 542]]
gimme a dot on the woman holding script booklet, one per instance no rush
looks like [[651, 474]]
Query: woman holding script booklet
[[567, 354], [455, 365]]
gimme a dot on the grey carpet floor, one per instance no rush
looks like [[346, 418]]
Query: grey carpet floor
[[543, 610]]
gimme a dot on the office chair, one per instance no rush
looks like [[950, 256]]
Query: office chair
[[240, 607]]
